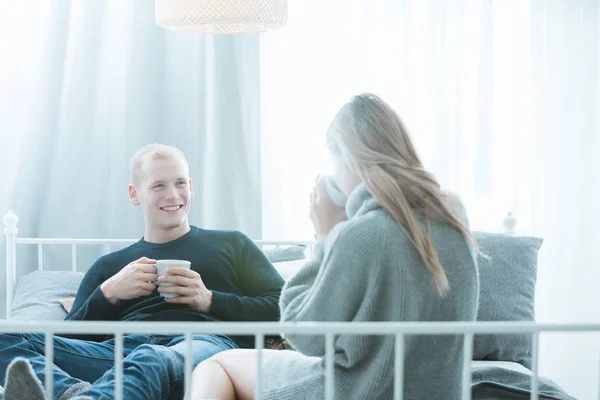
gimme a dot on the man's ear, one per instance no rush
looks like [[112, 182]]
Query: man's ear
[[192, 189], [133, 195]]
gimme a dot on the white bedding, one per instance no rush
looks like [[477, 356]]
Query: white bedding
[[501, 364], [287, 269]]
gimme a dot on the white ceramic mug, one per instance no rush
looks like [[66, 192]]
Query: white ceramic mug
[[334, 192], [162, 265]]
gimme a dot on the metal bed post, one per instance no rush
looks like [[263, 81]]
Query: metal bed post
[[10, 230]]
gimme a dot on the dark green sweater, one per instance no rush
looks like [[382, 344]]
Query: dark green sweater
[[244, 283]]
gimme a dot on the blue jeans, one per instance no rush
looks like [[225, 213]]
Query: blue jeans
[[153, 365]]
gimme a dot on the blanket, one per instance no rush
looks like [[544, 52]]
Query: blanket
[[494, 383]]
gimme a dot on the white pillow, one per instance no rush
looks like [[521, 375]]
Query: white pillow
[[287, 269]]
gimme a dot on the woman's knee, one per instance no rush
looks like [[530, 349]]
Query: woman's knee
[[207, 366], [211, 380], [222, 357], [239, 365], [214, 363]]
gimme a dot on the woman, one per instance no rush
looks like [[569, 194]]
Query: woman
[[400, 251]]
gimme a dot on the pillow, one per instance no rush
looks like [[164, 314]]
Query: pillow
[[67, 303], [506, 293], [289, 253], [287, 269], [38, 294]]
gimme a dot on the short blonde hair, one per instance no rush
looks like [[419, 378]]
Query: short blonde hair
[[153, 151]]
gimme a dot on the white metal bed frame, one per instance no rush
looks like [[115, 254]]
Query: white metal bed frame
[[259, 329]]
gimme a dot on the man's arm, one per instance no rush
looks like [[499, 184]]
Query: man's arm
[[90, 303], [260, 282]]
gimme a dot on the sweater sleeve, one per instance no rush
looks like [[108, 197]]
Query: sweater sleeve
[[261, 285], [90, 303], [332, 287]]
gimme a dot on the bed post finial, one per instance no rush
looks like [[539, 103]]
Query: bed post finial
[[10, 222], [509, 223], [10, 230]]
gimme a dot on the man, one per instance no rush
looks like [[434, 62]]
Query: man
[[230, 279]]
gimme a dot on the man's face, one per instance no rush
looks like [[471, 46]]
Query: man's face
[[164, 192]]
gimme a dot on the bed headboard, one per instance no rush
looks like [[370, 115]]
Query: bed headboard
[[10, 231]]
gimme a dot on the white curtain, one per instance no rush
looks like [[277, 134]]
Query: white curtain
[[85, 84], [503, 101]]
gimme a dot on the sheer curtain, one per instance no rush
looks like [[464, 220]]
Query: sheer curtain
[[503, 101], [84, 84]]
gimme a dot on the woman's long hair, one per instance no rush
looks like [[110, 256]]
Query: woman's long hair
[[372, 141]]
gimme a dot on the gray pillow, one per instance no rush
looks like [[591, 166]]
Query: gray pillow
[[288, 253], [37, 294], [507, 293]]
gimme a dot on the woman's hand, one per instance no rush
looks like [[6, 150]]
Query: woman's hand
[[324, 213]]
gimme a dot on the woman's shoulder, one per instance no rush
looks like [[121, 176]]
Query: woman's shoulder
[[377, 226], [367, 224], [364, 234], [456, 206]]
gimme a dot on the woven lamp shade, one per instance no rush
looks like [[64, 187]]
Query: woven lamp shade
[[221, 16]]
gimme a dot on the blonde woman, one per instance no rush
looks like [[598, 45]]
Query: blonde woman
[[401, 250]]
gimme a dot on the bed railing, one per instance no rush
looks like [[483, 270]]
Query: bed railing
[[329, 329]]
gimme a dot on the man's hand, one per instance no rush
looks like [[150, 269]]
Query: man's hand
[[137, 279], [191, 289]]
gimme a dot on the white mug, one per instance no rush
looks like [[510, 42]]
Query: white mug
[[162, 265], [334, 192]]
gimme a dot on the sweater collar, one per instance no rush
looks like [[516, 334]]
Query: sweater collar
[[360, 201], [173, 242]]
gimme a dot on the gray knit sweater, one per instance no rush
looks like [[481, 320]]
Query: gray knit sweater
[[368, 270]]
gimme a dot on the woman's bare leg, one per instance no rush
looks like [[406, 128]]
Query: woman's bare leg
[[211, 381], [228, 374]]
